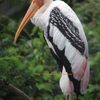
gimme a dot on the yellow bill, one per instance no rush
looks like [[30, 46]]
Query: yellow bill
[[34, 6]]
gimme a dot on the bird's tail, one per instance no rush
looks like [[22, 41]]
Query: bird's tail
[[85, 79]]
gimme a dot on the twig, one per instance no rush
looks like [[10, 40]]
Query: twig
[[14, 89]]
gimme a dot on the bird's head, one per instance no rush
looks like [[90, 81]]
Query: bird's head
[[34, 6]]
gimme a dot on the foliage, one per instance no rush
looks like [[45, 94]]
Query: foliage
[[88, 12], [29, 65]]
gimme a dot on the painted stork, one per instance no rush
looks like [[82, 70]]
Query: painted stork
[[65, 37]]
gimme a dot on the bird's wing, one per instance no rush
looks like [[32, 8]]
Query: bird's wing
[[66, 45], [67, 17], [66, 34], [69, 44]]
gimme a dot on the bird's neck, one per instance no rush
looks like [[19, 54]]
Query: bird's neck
[[45, 6], [39, 19], [48, 1]]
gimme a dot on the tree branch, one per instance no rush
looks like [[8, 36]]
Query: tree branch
[[14, 89]]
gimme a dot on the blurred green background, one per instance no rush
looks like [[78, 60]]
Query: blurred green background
[[29, 65]]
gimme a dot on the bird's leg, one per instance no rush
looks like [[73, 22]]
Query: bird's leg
[[69, 97], [71, 87]]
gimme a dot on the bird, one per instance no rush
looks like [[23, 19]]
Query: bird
[[66, 39]]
